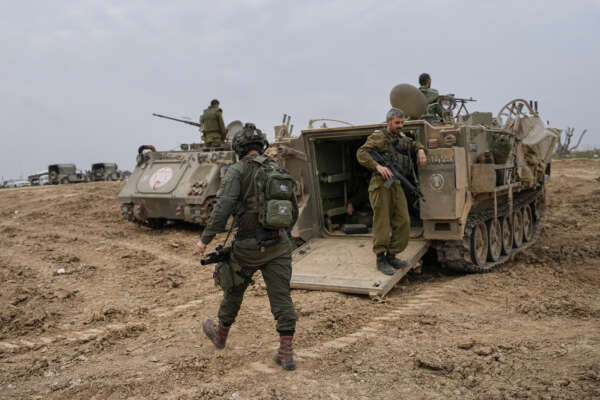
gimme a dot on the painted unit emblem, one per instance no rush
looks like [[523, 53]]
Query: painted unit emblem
[[436, 181], [160, 177]]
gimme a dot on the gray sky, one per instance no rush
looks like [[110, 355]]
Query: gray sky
[[80, 79]]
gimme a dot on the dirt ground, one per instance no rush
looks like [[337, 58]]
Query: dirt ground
[[94, 307]]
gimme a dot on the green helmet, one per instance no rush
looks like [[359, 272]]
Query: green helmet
[[248, 135]]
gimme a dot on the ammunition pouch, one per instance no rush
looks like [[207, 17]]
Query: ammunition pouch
[[229, 274]]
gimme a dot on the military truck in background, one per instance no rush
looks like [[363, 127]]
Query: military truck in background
[[483, 186], [65, 173], [176, 185], [105, 172]]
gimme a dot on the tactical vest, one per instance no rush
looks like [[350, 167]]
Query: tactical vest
[[398, 152], [210, 120]]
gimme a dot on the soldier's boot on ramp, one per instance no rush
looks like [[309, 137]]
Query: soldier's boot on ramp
[[383, 264], [395, 262], [217, 333], [285, 355]]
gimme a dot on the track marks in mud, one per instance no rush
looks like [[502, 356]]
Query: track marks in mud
[[414, 305], [81, 336]]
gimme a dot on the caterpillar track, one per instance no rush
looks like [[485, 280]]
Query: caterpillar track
[[473, 254]]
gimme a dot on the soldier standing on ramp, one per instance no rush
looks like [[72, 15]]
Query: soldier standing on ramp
[[213, 128], [260, 195], [391, 222]]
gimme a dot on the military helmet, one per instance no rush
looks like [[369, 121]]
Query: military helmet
[[248, 135]]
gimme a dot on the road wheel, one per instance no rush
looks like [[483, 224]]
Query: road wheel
[[494, 233], [64, 181], [507, 235], [527, 223], [518, 228], [479, 244]]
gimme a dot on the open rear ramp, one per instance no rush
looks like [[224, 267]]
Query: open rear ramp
[[348, 265]]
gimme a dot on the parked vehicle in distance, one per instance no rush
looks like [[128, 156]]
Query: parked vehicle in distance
[[105, 172], [35, 179], [65, 173]]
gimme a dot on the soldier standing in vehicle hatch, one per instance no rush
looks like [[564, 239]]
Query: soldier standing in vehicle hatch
[[213, 127], [431, 95], [391, 221]]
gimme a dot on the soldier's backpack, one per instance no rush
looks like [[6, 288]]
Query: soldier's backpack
[[275, 198]]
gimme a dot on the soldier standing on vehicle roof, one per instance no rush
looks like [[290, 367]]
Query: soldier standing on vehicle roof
[[213, 127], [391, 222], [431, 95], [255, 247]]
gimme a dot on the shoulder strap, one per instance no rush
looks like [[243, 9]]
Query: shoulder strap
[[260, 159]]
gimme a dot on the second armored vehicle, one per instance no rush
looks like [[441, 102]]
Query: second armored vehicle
[[176, 185]]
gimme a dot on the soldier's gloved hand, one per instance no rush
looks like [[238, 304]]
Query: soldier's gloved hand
[[421, 158], [384, 171], [200, 248]]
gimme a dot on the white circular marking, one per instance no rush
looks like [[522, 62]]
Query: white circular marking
[[161, 177], [436, 181]]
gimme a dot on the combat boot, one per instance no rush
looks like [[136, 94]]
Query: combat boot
[[285, 355], [383, 264], [395, 262], [217, 333]]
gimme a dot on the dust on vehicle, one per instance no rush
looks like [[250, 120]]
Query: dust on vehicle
[[176, 185], [483, 186]]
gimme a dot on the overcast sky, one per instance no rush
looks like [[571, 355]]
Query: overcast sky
[[80, 79]]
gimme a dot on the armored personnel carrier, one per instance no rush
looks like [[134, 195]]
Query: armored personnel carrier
[[483, 187], [176, 185]]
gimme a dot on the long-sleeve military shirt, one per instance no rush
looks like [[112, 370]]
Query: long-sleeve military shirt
[[212, 121], [380, 142], [431, 95], [229, 199]]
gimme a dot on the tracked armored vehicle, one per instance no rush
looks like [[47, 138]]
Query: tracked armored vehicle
[[176, 185], [483, 186]]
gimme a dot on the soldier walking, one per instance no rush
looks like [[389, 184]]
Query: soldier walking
[[256, 247], [213, 128], [391, 222]]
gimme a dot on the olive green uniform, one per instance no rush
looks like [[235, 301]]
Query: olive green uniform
[[275, 261], [391, 222], [213, 127], [431, 95]]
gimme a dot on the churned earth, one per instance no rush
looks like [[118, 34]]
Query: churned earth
[[94, 307]]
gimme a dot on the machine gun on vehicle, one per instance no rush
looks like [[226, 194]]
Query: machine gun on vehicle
[[220, 254], [448, 103], [396, 175], [185, 121]]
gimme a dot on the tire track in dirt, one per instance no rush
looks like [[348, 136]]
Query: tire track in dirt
[[424, 301], [171, 258], [86, 335]]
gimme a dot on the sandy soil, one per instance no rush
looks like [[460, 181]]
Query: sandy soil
[[94, 307]]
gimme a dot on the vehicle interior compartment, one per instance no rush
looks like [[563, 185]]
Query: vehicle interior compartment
[[343, 181]]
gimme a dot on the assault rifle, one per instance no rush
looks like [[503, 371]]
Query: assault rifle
[[395, 175], [221, 254]]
